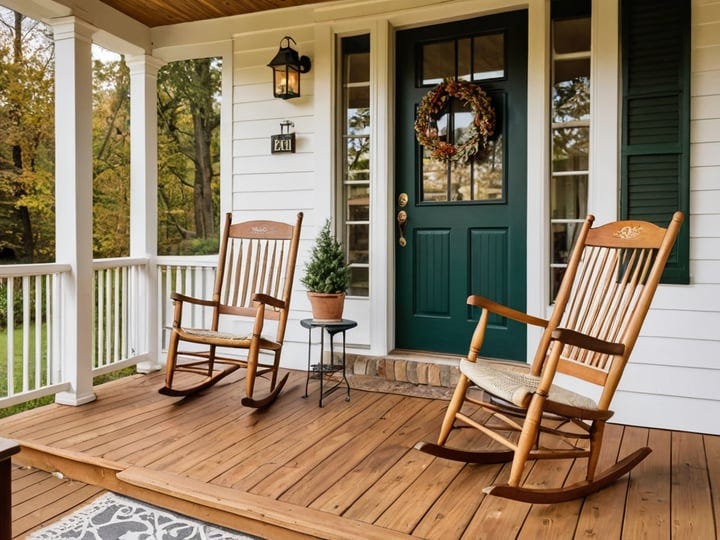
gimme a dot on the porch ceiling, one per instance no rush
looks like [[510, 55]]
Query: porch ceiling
[[164, 12]]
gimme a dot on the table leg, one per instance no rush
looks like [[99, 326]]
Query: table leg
[[347, 384], [307, 380], [322, 366]]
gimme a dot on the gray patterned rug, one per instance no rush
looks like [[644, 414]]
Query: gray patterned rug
[[114, 517]]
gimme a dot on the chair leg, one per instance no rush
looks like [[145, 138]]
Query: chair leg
[[456, 404], [276, 367], [252, 365], [211, 360], [528, 439], [171, 359], [596, 437]]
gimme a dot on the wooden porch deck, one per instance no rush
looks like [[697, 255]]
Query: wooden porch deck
[[348, 470]]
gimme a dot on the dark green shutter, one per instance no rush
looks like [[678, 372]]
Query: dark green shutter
[[656, 119]]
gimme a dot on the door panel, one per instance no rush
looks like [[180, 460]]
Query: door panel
[[465, 226]]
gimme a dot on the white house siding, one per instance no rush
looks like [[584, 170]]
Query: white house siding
[[673, 379]]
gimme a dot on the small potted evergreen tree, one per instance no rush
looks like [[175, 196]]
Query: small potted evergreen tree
[[326, 277]]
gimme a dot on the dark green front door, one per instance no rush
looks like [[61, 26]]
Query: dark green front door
[[465, 228]]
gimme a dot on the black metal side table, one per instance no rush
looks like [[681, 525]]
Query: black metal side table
[[322, 369]]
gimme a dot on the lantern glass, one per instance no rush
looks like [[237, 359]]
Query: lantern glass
[[287, 66]]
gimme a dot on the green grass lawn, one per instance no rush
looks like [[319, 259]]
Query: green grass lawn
[[18, 371]]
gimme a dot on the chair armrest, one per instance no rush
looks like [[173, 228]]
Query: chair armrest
[[505, 311], [577, 339], [177, 297], [269, 300]]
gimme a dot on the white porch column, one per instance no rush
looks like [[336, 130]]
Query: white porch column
[[143, 194], [74, 203]]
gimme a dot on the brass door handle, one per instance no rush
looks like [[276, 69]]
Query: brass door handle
[[402, 218]]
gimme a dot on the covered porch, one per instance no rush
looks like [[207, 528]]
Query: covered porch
[[301, 471]]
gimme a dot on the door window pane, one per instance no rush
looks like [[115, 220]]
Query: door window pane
[[571, 35], [357, 158], [488, 172], [438, 62], [568, 196], [488, 57], [464, 70], [570, 148], [571, 90], [357, 66], [358, 202]]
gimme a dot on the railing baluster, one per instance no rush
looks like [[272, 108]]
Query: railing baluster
[[100, 316], [10, 303], [49, 323], [127, 301], [108, 315], [116, 316], [38, 332], [26, 334]]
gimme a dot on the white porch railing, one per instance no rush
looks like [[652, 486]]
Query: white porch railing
[[120, 294], [191, 276], [31, 298], [31, 327]]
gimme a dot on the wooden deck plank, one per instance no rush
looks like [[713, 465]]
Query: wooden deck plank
[[552, 520], [647, 511], [602, 512], [306, 520], [58, 505], [497, 517], [268, 450], [304, 456], [349, 466], [228, 424], [266, 430], [454, 509], [691, 512], [318, 480], [63, 418], [712, 454], [409, 508], [346, 490], [134, 430]]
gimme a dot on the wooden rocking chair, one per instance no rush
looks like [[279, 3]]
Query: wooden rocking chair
[[603, 299], [254, 280]]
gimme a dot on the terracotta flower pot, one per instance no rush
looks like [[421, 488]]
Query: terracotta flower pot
[[327, 306]]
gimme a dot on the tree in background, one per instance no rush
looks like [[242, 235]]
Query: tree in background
[[26, 140], [188, 156], [111, 158], [188, 150]]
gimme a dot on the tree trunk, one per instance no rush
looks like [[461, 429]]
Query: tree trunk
[[204, 220], [22, 212]]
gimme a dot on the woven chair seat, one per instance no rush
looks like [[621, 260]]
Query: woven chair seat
[[213, 334], [516, 384]]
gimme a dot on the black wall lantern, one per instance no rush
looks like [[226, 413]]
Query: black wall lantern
[[287, 67]]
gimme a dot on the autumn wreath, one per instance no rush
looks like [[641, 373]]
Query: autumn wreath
[[433, 105]]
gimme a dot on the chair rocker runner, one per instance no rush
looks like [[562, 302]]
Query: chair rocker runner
[[253, 282], [605, 294]]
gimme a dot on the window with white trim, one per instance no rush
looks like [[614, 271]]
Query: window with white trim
[[570, 132], [354, 169]]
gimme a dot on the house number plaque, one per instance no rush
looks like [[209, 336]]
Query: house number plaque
[[285, 141]]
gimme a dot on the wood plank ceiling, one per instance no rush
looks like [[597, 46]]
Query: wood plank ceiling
[[164, 12]]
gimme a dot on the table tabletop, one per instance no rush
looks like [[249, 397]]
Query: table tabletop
[[331, 326]]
